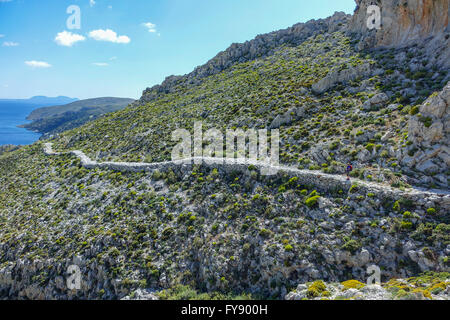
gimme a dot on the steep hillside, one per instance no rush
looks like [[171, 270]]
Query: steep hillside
[[217, 229], [331, 103], [110, 201]]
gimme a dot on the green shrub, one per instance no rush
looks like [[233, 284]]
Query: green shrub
[[396, 206], [414, 110], [407, 215], [265, 233], [406, 225], [316, 289], [353, 188], [312, 201], [370, 147], [351, 246], [353, 284], [427, 121]]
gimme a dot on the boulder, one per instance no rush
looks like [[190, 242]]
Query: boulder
[[379, 99], [376, 102], [428, 167], [287, 118]]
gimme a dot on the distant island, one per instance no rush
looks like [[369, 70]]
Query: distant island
[[56, 119], [42, 100]]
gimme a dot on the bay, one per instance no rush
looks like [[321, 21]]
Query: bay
[[13, 114]]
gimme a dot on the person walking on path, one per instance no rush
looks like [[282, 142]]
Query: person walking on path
[[349, 169]]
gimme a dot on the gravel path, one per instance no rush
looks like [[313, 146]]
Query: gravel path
[[317, 178]]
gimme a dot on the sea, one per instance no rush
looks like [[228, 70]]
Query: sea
[[13, 114]]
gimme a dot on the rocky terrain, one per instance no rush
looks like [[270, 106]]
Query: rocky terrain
[[109, 199], [429, 134], [426, 287]]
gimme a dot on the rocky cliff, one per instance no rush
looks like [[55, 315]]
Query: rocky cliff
[[405, 22]]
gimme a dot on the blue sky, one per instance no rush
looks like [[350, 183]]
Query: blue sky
[[124, 46]]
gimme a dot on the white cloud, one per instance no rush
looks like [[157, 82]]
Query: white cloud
[[108, 35], [112, 58], [92, 3], [150, 26], [10, 44], [67, 39], [100, 64], [38, 64], [110, 7], [2, 35]]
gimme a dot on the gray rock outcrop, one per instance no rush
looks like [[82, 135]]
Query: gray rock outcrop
[[376, 102], [287, 118], [343, 76], [429, 131]]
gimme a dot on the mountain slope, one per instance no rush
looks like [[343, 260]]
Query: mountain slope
[[262, 46], [230, 229]]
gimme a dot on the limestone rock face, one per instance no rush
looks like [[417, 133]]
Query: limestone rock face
[[404, 22], [430, 133]]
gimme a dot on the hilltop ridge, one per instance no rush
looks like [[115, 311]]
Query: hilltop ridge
[[403, 24], [260, 47]]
